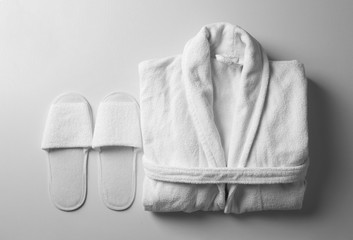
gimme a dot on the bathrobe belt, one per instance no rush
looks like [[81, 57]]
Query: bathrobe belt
[[262, 175]]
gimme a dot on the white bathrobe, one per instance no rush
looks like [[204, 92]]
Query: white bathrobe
[[223, 127]]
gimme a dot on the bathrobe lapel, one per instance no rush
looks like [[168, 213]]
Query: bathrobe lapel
[[197, 78], [196, 72]]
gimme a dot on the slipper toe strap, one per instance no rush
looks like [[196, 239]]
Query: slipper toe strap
[[68, 125], [117, 124]]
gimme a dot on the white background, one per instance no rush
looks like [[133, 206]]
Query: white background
[[94, 46]]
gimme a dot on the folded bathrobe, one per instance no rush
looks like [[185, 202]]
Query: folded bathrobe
[[223, 127]]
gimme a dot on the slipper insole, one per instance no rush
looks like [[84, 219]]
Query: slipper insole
[[117, 166], [67, 177]]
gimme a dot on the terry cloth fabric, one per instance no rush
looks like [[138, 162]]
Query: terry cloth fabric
[[223, 127]]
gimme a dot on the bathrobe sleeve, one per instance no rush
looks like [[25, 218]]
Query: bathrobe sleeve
[[168, 136], [170, 140], [282, 139]]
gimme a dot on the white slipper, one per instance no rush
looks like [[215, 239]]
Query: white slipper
[[67, 139], [117, 136]]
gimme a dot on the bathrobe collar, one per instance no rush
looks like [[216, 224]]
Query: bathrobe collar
[[233, 44]]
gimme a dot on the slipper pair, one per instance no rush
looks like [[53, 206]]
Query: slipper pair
[[69, 136]]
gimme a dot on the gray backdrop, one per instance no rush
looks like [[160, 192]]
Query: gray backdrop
[[94, 46]]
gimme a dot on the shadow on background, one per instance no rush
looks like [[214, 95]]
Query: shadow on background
[[320, 152], [320, 148]]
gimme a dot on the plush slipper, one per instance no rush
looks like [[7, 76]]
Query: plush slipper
[[117, 136], [67, 139]]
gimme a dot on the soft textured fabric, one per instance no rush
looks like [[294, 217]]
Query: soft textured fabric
[[223, 127], [68, 125], [67, 139], [117, 135], [118, 124]]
